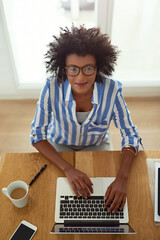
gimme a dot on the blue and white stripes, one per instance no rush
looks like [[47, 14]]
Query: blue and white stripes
[[56, 120]]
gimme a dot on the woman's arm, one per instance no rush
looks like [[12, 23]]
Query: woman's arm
[[117, 191]]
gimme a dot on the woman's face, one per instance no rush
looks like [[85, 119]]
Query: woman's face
[[81, 84]]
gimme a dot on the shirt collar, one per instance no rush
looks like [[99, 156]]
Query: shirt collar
[[68, 91], [96, 93]]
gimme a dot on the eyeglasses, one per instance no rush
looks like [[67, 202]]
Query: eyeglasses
[[86, 70]]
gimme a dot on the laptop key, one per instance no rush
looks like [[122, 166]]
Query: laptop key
[[96, 197], [64, 201], [62, 213]]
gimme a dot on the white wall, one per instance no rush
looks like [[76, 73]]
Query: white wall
[[7, 83]]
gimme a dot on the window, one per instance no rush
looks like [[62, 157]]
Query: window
[[136, 32]]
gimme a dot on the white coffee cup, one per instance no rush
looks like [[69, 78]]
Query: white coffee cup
[[21, 202]]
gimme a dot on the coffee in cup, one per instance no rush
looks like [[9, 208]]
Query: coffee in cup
[[18, 193]]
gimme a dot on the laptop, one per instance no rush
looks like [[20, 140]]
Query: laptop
[[75, 215]]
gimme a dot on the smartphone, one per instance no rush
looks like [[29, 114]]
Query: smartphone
[[25, 231]]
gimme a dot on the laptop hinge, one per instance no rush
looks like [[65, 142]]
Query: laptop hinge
[[90, 223]]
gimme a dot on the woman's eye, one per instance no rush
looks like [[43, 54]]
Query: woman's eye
[[72, 69], [89, 68]]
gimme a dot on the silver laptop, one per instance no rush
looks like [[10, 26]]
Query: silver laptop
[[87, 216]]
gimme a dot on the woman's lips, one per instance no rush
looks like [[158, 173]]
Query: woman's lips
[[81, 84]]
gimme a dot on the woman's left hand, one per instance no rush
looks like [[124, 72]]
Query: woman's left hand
[[116, 192]]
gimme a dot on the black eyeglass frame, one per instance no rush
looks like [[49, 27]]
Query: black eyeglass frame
[[80, 68]]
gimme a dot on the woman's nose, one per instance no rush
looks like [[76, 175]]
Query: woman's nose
[[80, 75]]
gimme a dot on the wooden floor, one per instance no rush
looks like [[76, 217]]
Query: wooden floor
[[16, 117]]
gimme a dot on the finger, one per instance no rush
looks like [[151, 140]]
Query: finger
[[89, 183], [110, 199], [123, 202], [117, 203], [115, 200], [88, 180], [81, 189], [108, 192], [85, 188], [75, 190]]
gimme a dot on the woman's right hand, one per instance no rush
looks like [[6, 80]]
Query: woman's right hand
[[79, 181]]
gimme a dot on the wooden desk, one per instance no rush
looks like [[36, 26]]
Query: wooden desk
[[40, 208]]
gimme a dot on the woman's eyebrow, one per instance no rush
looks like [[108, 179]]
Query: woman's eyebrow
[[89, 64]]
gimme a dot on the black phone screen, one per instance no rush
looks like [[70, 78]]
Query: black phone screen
[[23, 232]]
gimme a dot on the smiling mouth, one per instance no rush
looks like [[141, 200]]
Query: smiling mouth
[[81, 84]]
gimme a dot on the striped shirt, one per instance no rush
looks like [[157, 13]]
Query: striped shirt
[[56, 121]]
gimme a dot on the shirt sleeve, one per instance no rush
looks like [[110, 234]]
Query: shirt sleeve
[[42, 117], [122, 120]]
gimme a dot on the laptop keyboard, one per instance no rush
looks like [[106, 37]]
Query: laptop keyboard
[[72, 207]]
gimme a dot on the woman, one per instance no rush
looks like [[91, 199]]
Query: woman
[[76, 107]]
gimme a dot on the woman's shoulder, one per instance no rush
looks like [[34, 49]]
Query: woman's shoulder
[[52, 83], [51, 80], [110, 81]]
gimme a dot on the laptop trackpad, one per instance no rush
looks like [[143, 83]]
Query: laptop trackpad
[[97, 186]]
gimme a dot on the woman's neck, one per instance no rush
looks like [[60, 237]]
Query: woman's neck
[[83, 102]]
